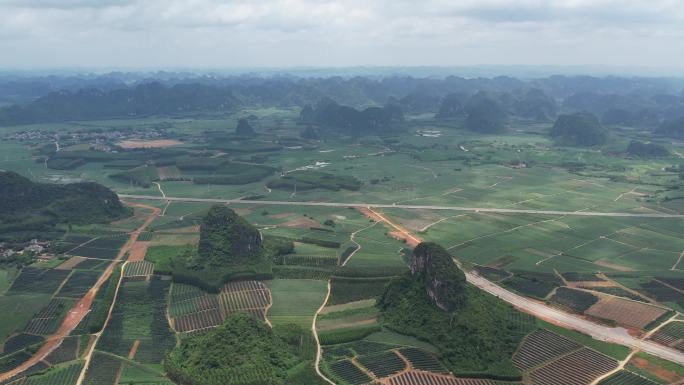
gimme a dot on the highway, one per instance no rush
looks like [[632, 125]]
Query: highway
[[409, 207]]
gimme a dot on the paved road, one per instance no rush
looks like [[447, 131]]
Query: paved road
[[571, 321], [410, 207]]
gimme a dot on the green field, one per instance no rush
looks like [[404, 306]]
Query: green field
[[295, 301]]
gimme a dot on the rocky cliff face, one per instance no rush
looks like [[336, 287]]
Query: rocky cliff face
[[444, 281]]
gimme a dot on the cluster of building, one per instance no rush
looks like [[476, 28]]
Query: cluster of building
[[35, 247]]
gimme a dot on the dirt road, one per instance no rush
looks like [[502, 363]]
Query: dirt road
[[82, 307], [570, 321]]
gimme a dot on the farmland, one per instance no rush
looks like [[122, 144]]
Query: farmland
[[620, 271]]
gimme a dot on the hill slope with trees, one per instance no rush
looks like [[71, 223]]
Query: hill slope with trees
[[580, 129], [26, 205], [474, 331]]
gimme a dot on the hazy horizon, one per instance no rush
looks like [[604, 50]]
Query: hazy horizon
[[208, 34]]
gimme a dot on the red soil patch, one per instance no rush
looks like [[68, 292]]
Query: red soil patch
[[159, 143], [398, 232], [70, 263], [281, 215], [138, 251], [656, 370], [134, 349]]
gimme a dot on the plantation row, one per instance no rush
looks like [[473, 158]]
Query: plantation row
[[626, 312], [48, 319], [382, 364], [138, 269], [193, 305], [20, 342], [62, 376], [422, 360], [139, 314], [421, 378], [232, 301], [577, 300], [346, 371], [579, 368], [37, 280], [198, 321], [78, 284], [302, 260], [671, 335], [66, 351], [540, 347], [103, 370], [626, 378]]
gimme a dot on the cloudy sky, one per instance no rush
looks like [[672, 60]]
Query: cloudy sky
[[284, 33]]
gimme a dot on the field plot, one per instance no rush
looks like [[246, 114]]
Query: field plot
[[35, 280], [49, 318], [346, 289], [295, 300], [106, 247], [139, 317], [346, 371], [422, 378], [78, 284], [382, 364], [66, 375], [19, 342], [66, 351], [624, 377], [540, 347], [92, 264], [577, 300], [138, 269], [671, 335], [197, 321], [103, 370], [244, 296], [422, 360], [585, 365], [626, 312], [186, 299]]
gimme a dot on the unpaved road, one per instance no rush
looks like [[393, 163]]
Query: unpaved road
[[408, 207], [571, 321], [82, 307]]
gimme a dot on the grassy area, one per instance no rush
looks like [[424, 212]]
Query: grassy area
[[295, 301], [18, 309]]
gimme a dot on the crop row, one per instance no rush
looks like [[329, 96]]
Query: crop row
[[540, 347], [303, 260], [422, 360], [193, 305], [36, 280], [47, 320], [78, 284], [232, 301], [138, 269], [346, 371], [198, 321], [624, 377], [579, 368], [102, 370], [66, 351], [422, 378], [62, 376], [382, 364]]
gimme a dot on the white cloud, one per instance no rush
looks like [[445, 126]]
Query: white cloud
[[213, 33]]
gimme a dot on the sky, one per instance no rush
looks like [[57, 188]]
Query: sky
[[322, 33]]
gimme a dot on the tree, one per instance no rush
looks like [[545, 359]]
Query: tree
[[244, 128]]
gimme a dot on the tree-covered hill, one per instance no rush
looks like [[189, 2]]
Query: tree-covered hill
[[475, 332], [242, 351], [347, 120], [227, 239], [580, 129], [26, 205]]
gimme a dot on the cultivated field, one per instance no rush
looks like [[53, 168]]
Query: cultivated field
[[626, 312]]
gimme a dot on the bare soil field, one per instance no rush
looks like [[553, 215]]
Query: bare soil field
[[137, 251], [303, 223], [70, 263], [613, 266], [667, 376], [159, 143], [625, 312]]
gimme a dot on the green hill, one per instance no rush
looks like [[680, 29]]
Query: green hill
[[29, 206], [581, 129], [476, 335]]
